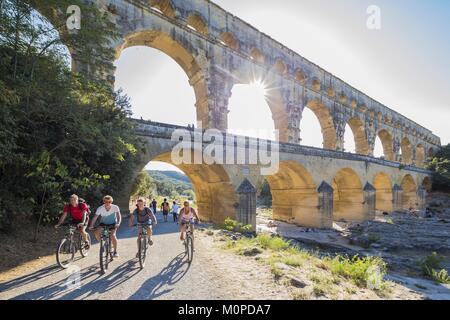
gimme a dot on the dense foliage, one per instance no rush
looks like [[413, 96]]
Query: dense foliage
[[60, 132], [172, 184], [440, 165]]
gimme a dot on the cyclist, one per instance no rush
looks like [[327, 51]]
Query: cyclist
[[144, 215], [187, 214], [110, 218], [165, 208], [79, 215]]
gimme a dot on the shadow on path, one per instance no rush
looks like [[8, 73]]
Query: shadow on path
[[91, 283], [158, 285]]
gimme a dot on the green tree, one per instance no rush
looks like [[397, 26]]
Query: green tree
[[440, 165], [143, 186], [60, 133]]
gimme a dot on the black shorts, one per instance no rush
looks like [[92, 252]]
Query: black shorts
[[108, 226], [165, 213]]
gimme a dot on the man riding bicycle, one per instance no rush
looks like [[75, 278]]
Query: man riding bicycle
[[79, 216], [145, 216], [187, 215], [109, 218]]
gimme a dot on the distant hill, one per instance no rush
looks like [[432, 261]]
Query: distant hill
[[171, 175], [169, 181]]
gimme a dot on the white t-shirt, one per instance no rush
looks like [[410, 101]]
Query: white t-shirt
[[175, 208], [108, 217]]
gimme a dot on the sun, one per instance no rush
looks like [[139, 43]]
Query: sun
[[259, 86]]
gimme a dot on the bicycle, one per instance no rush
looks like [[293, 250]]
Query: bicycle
[[71, 243], [143, 244], [189, 242], [106, 251]]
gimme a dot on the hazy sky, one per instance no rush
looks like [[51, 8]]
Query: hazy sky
[[405, 65]]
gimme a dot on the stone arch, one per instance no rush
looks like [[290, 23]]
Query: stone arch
[[348, 196], [406, 148], [326, 123], [294, 195], [229, 40], [257, 55], [316, 85], [384, 195], [197, 22], [280, 67], [420, 155], [343, 98], [409, 199], [164, 43], [427, 184], [214, 192], [430, 153], [300, 76], [387, 143], [163, 6], [359, 135]]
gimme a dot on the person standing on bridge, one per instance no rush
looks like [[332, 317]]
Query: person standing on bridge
[[145, 216], [109, 217], [165, 208]]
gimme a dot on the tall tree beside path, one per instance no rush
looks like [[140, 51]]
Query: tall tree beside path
[[60, 133]]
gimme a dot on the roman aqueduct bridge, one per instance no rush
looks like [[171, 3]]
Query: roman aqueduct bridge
[[217, 50]]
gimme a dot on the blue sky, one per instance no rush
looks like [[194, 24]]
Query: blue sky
[[405, 65]]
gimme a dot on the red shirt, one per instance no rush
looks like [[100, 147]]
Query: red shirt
[[75, 212]]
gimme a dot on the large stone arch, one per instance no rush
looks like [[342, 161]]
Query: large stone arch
[[406, 147], [214, 191], [294, 195], [409, 199], [359, 134], [420, 155], [427, 184], [387, 143], [273, 97], [383, 193], [348, 196], [166, 44], [326, 123]]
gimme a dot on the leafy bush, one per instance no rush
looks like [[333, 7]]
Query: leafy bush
[[364, 272], [235, 226], [266, 241], [430, 262], [440, 165], [440, 276], [430, 265]]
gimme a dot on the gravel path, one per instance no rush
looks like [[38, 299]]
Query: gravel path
[[167, 275]]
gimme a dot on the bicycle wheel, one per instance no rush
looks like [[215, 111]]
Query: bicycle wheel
[[142, 251], [189, 248], [83, 249], [104, 255], [65, 253]]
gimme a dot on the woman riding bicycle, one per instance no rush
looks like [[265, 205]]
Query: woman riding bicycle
[[145, 216], [186, 216]]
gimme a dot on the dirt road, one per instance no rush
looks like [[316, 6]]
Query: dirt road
[[167, 275]]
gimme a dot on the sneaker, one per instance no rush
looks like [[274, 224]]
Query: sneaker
[[150, 242], [86, 245], [115, 255]]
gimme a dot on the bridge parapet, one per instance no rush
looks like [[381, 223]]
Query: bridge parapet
[[165, 131]]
